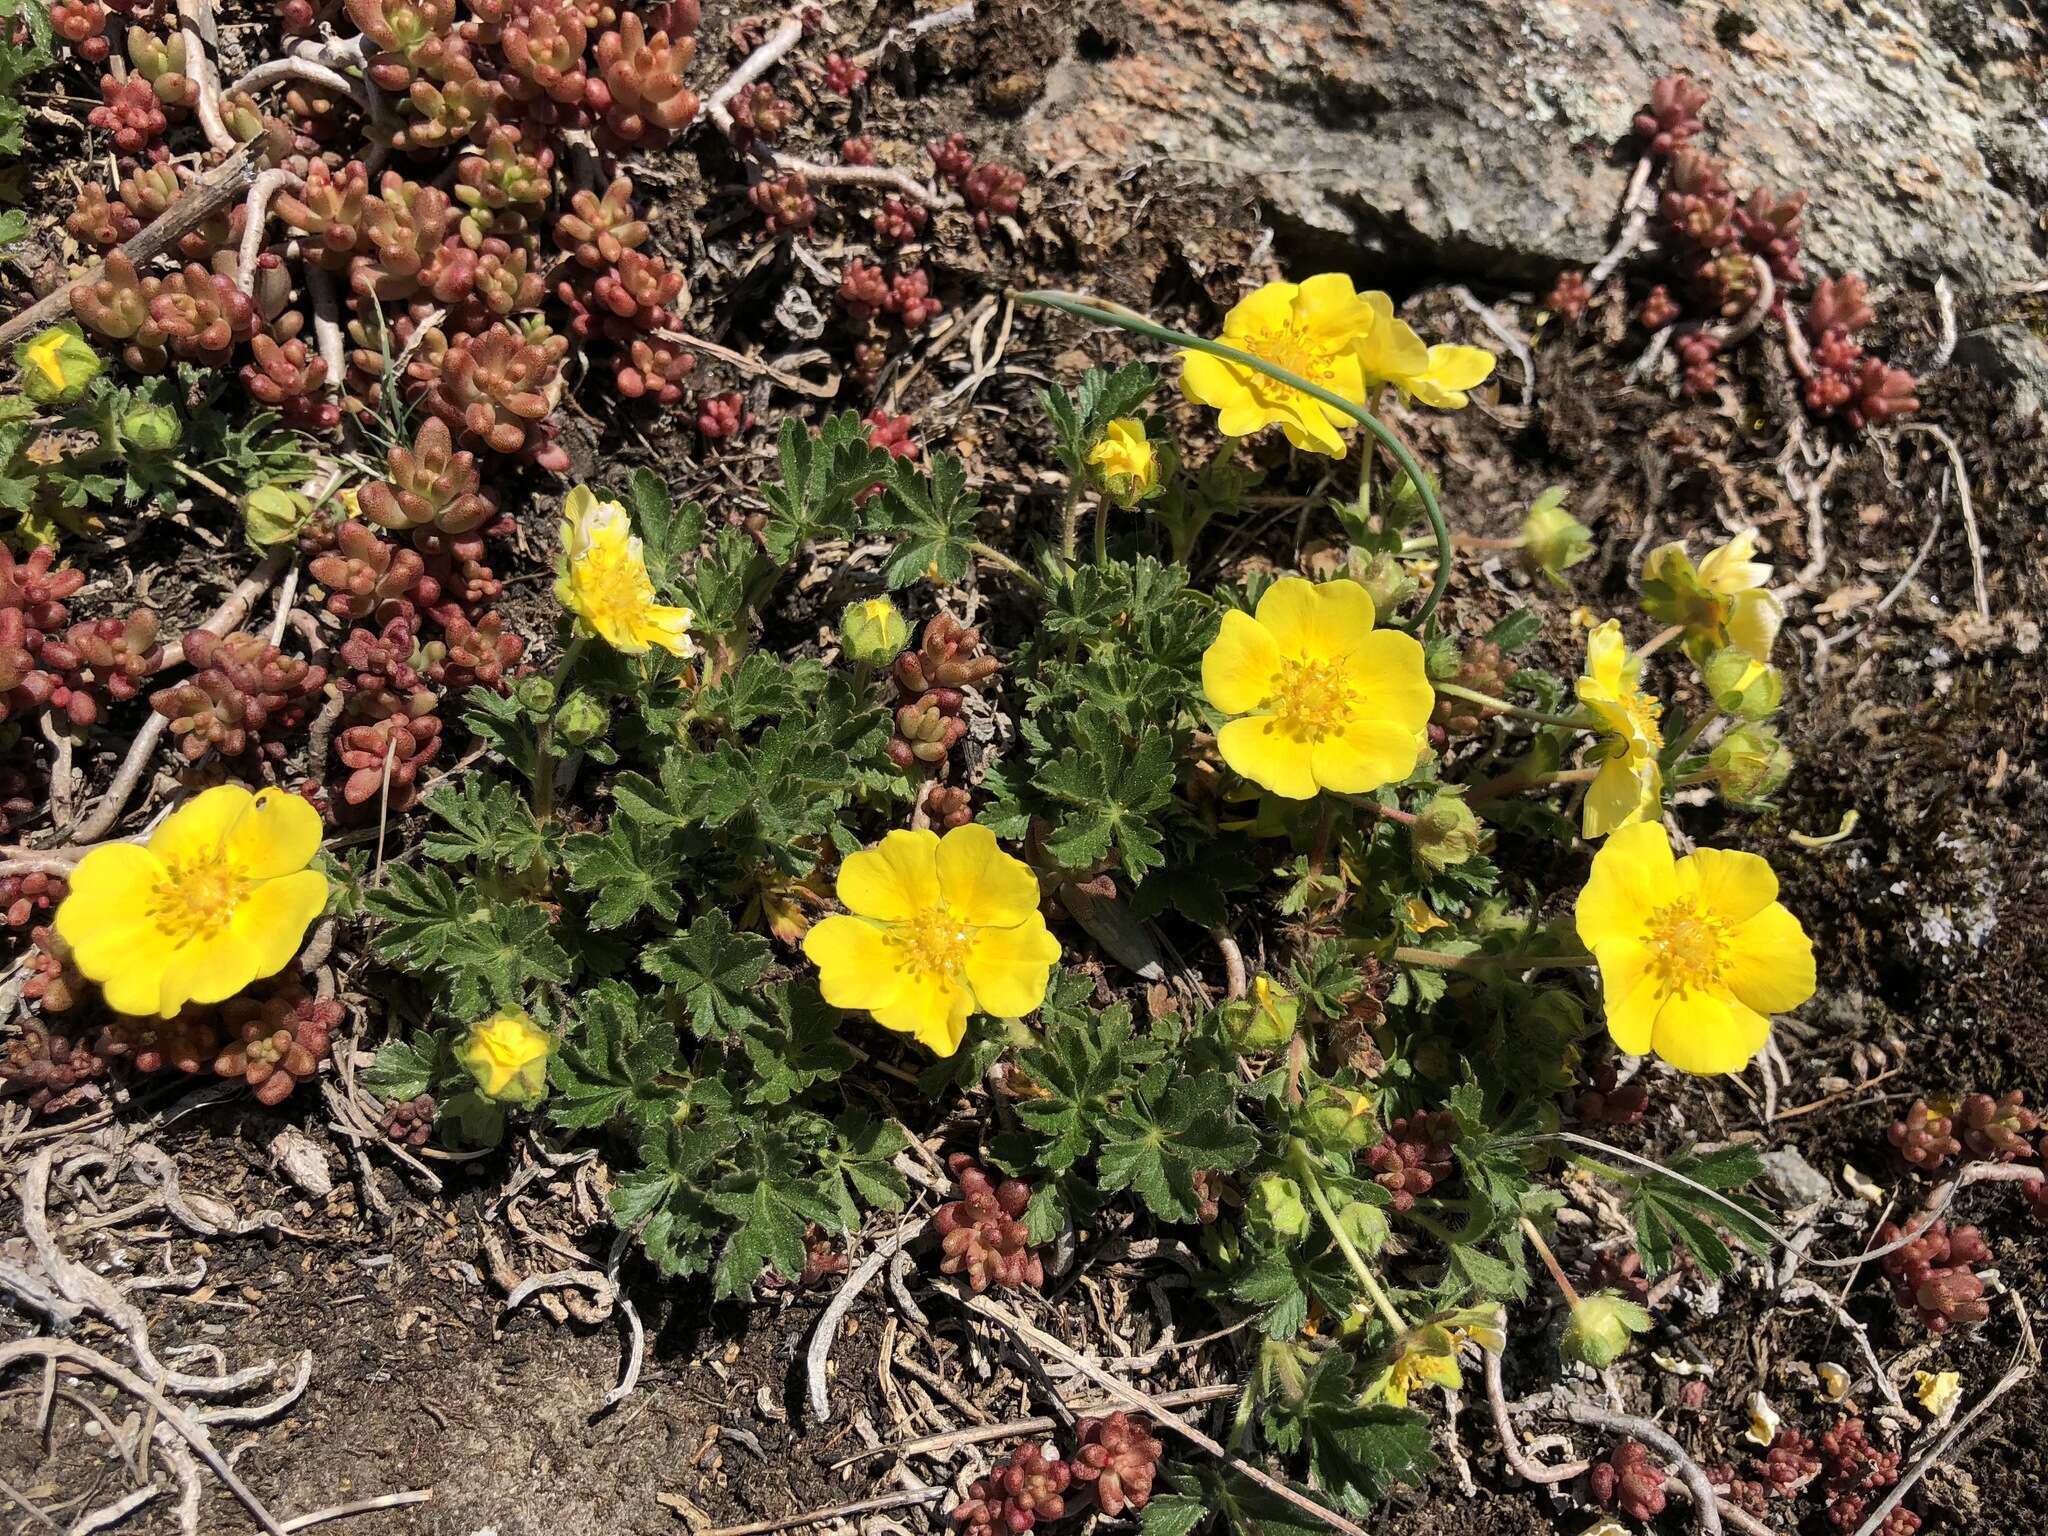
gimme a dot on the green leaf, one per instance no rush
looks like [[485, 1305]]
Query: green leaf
[[1172, 1514], [614, 1063], [1084, 1066], [1669, 1213], [1108, 790], [668, 533], [934, 514], [633, 869], [797, 1048], [404, 1069], [1157, 1150], [485, 821], [857, 1170], [1354, 1453], [770, 1202], [821, 476], [716, 973], [1516, 630], [483, 954], [1078, 421]]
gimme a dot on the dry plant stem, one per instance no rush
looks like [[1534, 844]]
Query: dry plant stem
[[1652, 1435], [271, 71], [195, 20], [266, 187], [911, 31], [1976, 542], [2019, 1372], [753, 367], [1557, 1274], [867, 176], [1943, 1196], [110, 1515], [219, 187], [751, 68], [903, 1500], [820, 1350], [359, 1507], [327, 324], [1235, 984], [1131, 1397], [194, 1435], [1635, 209], [224, 619], [1744, 326], [1511, 1440]]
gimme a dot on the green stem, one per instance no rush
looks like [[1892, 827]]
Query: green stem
[[1503, 707], [1436, 959], [1003, 562], [1102, 530], [1070, 521], [1515, 783], [1692, 734], [1658, 641], [197, 478], [1557, 1274], [544, 737], [1115, 314], [1305, 1170]]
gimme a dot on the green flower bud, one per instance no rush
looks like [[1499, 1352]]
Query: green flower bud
[[1749, 764], [1276, 1208], [57, 364], [536, 694], [1553, 541], [1341, 1117], [873, 632], [272, 514], [1600, 1328], [1743, 686], [1445, 833], [1266, 1020], [582, 718], [1386, 581], [507, 1055], [151, 429]]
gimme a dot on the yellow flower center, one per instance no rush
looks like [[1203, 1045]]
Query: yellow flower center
[[933, 942], [1291, 348], [195, 898], [1690, 945], [45, 354], [615, 589], [1313, 699], [1645, 719]]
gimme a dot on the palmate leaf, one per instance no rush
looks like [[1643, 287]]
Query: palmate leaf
[[1107, 792], [1156, 1149], [614, 1063], [858, 1168], [769, 1200], [932, 513], [404, 1069], [485, 954], [485, 822], [1670, 1213], [663, 1202], [1078, 419], [1085, 1067], [716, 974], [1354, 1452], [794, 1045], [632, 867], [821, 476]]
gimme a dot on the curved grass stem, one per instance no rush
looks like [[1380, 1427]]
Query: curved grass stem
[[1104, 313]]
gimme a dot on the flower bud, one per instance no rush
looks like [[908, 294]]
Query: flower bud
[[582, 718], [1266, 1020], [1743, 686], [1749, 763], [272, 514], [1338, 1117], [1553, 541], [1600, 1328], [150, 429], [873, 632], [1386, 582], [1125, 463], [57, 364], [536, 694], [1366, 1226], [1276, 1208], [507, 1055], [1445, 833]]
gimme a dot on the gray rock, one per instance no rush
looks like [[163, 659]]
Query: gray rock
[[1480, 136], [2015, 359], [1798, 1181]]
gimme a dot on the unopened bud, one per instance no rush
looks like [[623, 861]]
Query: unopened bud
[[57, 364], [1276, 1207], [1600, 1328], [1386, 582], [150, 429], [272, 514], [582, 718], [1553, 541], [1749, 763], [1339, 1117], [1266, 1020], [1743, 686], [873, 632], [1445, 832], [536, 694]]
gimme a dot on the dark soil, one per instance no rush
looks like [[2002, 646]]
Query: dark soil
[[1930, 914]]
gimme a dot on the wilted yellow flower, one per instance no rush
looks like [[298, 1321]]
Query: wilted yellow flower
[[507, 1054], [1553, 541], [57, 364], [1695, 954], [1427, 1354], [1720, 602], [940, 929], [1126, 460], [1311, 329], [219, 896], [604, 581], [1629, 785], [1937, 1391], [1328, 702], [1391, 353], [1834, 1381], [1763, 1421]]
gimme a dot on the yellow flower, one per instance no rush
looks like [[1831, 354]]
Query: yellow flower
[[507, 1054], [1311, 329], [1695, 954], [604, 581], [1391, 353], [1937, 1391], [1326, 700], [1629, 785], [57, 364], [1427, 1354], [1763, 1421], [1126, 460], [941, 928], [1720, 602], [873, 632], [219, 896]]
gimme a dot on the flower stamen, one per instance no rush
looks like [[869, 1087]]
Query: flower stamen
[[1690, 945], [1312, 699], [933, 942], [196, 897]]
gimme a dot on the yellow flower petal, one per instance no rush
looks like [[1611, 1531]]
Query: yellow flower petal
[[199, 828], [1707, 1033], [1241, 666], [1733, 886], [982, 885], [1770, 963], [1754, 619], [1391, 351], [857, 965], [1459, 368], [105, 919], [204, 970], [269, 924], [1633, 875], [278, 833], [1363, 757], [1312, 622], [1266, 308], [894, 880], [1630, 992], [1008, 968], [1623, 794], [1269, 756], [932, 1011], [1388, 669]]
